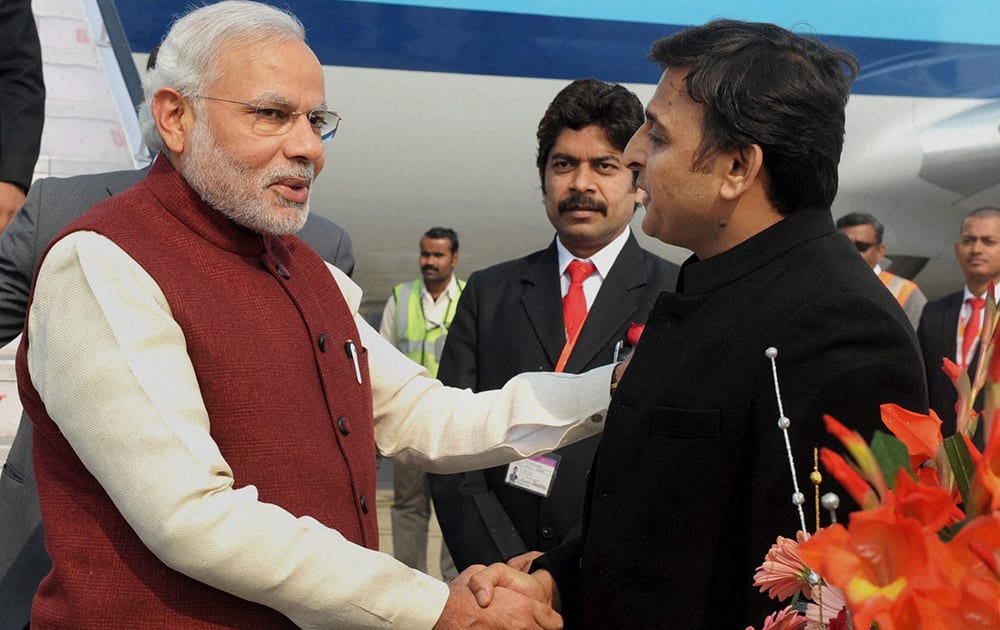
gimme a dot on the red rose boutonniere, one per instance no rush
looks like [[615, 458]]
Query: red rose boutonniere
[[634, 332]]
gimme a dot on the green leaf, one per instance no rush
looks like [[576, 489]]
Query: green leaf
[[961, 465], [891, 455]]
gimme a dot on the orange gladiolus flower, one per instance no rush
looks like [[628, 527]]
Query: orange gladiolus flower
[[862, 455], [986, 481], [976, 547], [951, 370], [993, 371], [849, 478], [980, 606], [919, 432], [875, 562], [931, 506], [969, 564], [963, 386]]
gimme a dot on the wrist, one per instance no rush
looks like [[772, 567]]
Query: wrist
[[615, 377], [548, 583]]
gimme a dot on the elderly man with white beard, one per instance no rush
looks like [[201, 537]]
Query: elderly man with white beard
[[207, 401]]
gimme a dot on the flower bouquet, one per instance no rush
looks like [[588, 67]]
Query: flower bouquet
[[924, 549]]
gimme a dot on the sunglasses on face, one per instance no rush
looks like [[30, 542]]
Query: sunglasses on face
[[863, 246]]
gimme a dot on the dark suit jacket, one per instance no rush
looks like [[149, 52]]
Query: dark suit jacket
[[509, 320], [22, 93], [937, 334], [691, 483], [51, 204]]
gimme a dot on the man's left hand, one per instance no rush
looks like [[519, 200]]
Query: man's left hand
[[620, 370], [522, 562]]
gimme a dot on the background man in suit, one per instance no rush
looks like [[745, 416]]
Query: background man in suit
[[50, 205], [416, 320], [946, 321], [738, 156], [22, 104], [866, 232], [511, 319]]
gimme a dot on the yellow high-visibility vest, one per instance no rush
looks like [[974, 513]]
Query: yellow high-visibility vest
[[412, 336]]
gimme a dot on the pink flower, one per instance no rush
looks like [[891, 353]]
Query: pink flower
[[833, 606], [786, 619], [634, 332], [783, 573]]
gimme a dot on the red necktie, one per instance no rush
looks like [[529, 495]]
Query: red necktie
[[575, 303], [972, 327]]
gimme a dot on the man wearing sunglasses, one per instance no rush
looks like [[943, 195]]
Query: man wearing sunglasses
[[866, 232]]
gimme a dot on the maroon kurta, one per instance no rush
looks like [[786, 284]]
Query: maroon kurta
[[266, 328]]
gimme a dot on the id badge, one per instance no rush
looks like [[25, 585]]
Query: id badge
[[534, 475]]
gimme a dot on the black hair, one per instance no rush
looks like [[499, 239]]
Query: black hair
[[442, 232], [587, 102], [761, 84], [862, 218]]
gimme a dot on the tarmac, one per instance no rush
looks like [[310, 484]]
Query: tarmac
[[10, 414]]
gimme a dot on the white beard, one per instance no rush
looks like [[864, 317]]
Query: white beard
[[240, 192]]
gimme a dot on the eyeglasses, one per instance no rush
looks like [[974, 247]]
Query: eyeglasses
[[863, 246], [274, 119]]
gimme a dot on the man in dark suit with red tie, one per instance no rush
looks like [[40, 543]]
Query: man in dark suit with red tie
[[564, 308], [957, 318]]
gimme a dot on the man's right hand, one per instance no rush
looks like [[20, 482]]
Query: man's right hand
[[507, 608], [489, 582], [11, 200]]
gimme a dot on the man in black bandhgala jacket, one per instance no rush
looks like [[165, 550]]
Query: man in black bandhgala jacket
[[691, 485]]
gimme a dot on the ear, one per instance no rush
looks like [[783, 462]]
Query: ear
[[743, 167], [881, 251], [174, 118]]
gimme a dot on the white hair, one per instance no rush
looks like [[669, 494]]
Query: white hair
[[186, 60]]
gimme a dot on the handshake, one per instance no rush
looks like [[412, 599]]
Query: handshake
[[502, 596]]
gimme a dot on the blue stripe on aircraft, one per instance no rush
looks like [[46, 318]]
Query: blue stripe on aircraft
[[936, 20], [392, 36]]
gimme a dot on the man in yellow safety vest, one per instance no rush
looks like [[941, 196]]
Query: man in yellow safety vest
[[416, 320]]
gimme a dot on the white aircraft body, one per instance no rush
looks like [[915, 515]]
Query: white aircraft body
[[441, 99]]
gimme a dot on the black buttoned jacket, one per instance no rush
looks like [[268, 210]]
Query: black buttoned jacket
[[691, 483]]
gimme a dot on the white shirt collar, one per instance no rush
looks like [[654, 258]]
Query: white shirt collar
[[968, 294], [603, 259], [450, 292]]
